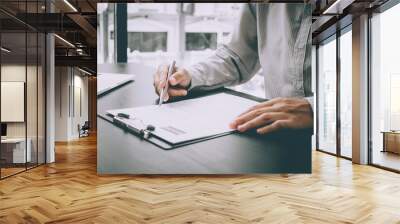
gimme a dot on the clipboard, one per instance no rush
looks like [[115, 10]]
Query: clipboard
[[106, 82], [145, 131]]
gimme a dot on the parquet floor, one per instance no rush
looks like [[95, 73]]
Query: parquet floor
[[10, 171], [69, 191]]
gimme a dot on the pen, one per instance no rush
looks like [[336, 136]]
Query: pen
[[165, 89]]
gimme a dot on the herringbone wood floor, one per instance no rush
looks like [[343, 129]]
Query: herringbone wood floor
[[69, 191]]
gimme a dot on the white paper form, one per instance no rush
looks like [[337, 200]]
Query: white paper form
[[189, 119], [108, 81]]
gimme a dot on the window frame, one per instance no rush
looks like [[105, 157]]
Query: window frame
[[380, 9], [25, 30], [333, 37], [201, 33]]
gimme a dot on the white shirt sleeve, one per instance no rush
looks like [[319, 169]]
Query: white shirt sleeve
[[234, 63]]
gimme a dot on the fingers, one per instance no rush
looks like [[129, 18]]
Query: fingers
[[174, 92], [176, 78], [176, 84], [275, 114], [275, 126], [244, 118], [251, 114], [166, 97], [177, 92], [156, 79], [261, 120], [180, 78], [163, 77], [159, 78], [268, 103]]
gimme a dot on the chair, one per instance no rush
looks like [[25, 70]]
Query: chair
[[84, 130]]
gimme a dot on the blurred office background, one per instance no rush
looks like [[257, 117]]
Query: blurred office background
[[333, 58], [47, 76], [157, 33]]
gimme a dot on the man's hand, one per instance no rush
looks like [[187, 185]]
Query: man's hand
[[178, 82], [275, 114]]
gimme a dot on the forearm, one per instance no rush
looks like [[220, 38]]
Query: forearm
[[233, 63], [310, 100], [223, 68]]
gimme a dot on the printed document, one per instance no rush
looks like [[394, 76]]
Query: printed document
[[188, 120]]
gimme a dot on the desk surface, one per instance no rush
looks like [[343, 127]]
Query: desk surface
[[391, 132], [14, 140], [120, 152]]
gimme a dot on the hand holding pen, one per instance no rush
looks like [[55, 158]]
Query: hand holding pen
[[170, 83]]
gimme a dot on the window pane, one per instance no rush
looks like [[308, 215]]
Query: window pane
[[346, 94], [327, 96], [201, 41], [147, 41], [385, 84], [105, 32], [14, 150], [185, 32]]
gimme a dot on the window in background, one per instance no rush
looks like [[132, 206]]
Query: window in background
[[201, 41], [346, 93], [147, 41], [327, 96], [185, 32], [385, 88], [395, 102], [105, 32]]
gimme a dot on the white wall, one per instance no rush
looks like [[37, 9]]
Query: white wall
[[34, 125], [79, 117], [12, 73], [61, 103], [70, 83], [17, 73], [13, 100]]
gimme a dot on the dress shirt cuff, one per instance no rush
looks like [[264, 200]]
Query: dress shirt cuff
[[196, 79], [310, 100]]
